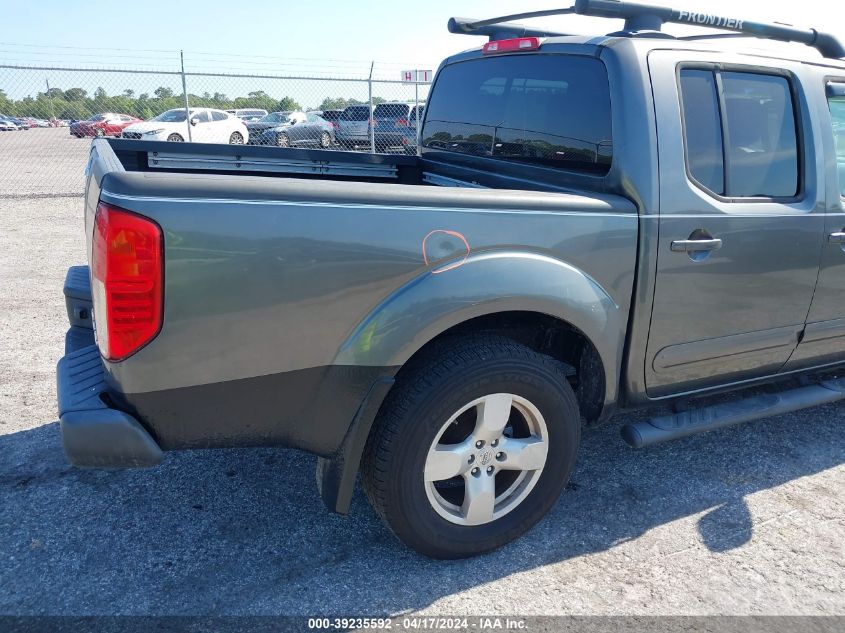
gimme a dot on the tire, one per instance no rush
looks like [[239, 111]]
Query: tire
[[282, 140], [175, 138], [236, 138], [470, 375], [325, 140]]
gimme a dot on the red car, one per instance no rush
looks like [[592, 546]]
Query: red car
[[107, 124]]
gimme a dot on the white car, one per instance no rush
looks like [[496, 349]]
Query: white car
[[206, 126]]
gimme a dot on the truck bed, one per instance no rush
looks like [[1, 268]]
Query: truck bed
[[288, 293]]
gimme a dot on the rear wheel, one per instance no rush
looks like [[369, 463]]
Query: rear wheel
[[282, 140], [176, 138], [236, 138], [325, 139], [472, 446]]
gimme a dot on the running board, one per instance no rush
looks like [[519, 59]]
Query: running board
[[670, 427]]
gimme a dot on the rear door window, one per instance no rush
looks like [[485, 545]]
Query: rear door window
[[705, 153], [836, 101], [546, 109], [741, 142]]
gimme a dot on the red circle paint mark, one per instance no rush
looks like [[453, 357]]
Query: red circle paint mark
[[453, 265]]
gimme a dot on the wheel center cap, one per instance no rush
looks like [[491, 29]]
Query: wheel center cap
[[485, 457]]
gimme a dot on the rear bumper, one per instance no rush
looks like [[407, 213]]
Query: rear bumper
[[94, 434]]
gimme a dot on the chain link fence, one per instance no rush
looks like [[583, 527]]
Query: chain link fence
[[49, 114]]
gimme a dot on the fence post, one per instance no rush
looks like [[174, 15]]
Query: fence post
[[49, 99], [185, 94], [417, 108], [370, 122]]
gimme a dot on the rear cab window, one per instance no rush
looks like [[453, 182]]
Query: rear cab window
[[546, 109], [836, 101], [740, 133]]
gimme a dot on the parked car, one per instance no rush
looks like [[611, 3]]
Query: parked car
[[332, 116], [8, 124], [248, 114], [106, 124], [19, 123], [299, 129], [268, 121], [354, 126], [396, 126], [206, 126], [447, 323]]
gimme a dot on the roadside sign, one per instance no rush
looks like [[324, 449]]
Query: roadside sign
[[417, 76]]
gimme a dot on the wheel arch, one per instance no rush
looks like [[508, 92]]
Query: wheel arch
[[510, 292]]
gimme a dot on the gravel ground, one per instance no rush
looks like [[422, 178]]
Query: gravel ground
[[747, 520], [42, 161]]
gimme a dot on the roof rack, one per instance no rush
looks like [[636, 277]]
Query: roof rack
[[648, 19]]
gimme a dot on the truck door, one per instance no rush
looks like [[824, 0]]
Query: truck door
[[824, 337], [739, 230]]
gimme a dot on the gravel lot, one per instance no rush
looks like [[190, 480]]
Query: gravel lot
[[42, 161], [748, 520]]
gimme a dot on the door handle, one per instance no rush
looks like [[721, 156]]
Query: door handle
[[837, 237], [685, 246]]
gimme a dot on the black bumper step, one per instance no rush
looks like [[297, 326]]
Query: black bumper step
[[77, 291], [93, 433]]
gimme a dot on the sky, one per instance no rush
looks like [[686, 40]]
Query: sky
[[337, 38]]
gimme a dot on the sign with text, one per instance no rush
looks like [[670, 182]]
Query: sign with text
[[417, 76]]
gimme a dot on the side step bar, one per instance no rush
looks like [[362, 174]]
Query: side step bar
[[670, 427]]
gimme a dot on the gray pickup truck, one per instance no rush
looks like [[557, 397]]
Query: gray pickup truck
[[593, 223]]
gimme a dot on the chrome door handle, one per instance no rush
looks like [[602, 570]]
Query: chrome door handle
[[837, 237], [684, 246]]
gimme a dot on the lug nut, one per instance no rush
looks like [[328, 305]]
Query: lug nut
[[475, 471], [489, 470], [500, 455], [494, 443], [471, 459], [479, 444]]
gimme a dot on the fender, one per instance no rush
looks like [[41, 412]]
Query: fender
[[449, 294], [454, 292]]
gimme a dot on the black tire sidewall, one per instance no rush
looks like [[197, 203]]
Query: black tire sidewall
[[412, 517]]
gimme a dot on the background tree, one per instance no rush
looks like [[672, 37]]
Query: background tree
[[75, 94], [163, 92]]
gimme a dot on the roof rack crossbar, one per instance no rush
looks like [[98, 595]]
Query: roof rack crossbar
[[639, 17]]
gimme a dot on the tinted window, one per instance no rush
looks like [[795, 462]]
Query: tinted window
[[218, 116], [760, 127], [202, 116], [356, 113], [749, 149], [837, 115], [391, 111], [703, 128], [546, 109], [331, 115]]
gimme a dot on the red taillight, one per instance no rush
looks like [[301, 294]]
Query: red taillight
[[511, 46], [126, 276], [402, 122]]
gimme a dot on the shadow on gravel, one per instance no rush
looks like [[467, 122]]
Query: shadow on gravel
[[244, 532]]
